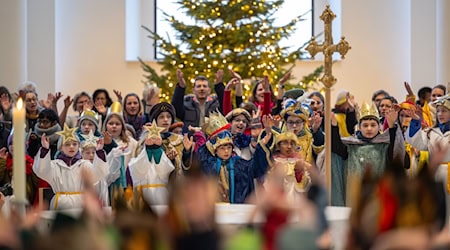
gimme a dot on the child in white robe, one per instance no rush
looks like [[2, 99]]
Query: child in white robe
[[88, 150], [64, 174], [150, 170]]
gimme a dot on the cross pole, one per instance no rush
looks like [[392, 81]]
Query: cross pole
[[328, 80]]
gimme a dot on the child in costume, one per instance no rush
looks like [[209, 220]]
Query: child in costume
[[239, 120], [163, 114], [295, 168], [119, 146], [88, 148], [235, 175], [432, 139], [296, 117], [87, 122], [64, 173], [369, 147], [150, 170]]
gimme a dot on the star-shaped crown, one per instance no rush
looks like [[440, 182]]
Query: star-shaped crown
[[68, 134], [90, 140], [154, 132]]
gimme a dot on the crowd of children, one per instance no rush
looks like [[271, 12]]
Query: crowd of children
[[134, 153]]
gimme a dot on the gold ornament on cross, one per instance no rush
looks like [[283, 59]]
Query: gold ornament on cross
[[328, 48]]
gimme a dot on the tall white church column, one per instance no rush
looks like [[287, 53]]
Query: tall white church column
[[13, 51], [443, 41], [41, 45]]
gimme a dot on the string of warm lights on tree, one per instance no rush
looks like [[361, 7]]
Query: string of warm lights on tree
[[236, 34]]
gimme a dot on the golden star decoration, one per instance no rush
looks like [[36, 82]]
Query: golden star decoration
[[67, 134], [90, 140], [153, 131]]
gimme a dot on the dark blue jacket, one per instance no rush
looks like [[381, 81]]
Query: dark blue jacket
[[241, 178]]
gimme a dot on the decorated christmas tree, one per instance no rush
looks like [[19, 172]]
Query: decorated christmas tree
[[226, 34]]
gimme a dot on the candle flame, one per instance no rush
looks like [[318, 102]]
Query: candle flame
[[19, 103]]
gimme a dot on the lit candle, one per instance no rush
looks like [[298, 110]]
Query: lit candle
[[19, 152]]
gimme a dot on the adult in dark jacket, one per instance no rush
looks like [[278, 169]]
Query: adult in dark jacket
[[192, 109]]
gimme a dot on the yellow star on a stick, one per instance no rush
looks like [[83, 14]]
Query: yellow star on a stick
[[68, 134], [90, 140], [153, 131]]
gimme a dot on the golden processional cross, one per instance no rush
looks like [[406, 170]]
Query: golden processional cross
[[328, 80]]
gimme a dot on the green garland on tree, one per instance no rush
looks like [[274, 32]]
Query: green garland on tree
[[235, 34]]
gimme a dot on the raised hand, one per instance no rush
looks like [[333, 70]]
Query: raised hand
[[408, 89], [100, 107], [316, 121], [171, 154], [391, 117], [118, 95], [3, 153], [232, 83], [57, 96], [107, 138], [235, 75], [256, 114], [48, 102], [268, 122], [88, 105], [188, 142], [68, 101], [100, 143], [180, 78], [284, 79], [412, 114], [219, 76], [45, 142]]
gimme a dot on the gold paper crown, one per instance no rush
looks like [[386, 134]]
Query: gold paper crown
[[215, 122], [222, 138], [368, 110], [68, 134], [115, 107], [89, 114], [443, 101], [286, 136]]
